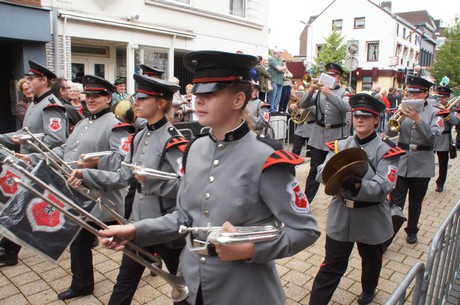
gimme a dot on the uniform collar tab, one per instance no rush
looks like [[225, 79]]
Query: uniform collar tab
[[99, 114], [366, 139], [158, 124]]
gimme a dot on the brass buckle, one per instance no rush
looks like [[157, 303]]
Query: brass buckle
[[412, 147], [349, 203]]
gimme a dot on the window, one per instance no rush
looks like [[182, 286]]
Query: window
[[319, 47], [404, 33], [360, 23], [238, 8], [337, 25], [372, 51], [397, 30]]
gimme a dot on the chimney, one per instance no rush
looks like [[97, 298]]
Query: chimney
[[386, 5]]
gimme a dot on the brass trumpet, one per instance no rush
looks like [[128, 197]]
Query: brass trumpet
[[149, 172], [394, 123]]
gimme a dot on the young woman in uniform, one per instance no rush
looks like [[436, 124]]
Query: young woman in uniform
[[158, 146]]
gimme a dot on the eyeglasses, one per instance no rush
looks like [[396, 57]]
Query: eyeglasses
[[32, 77]]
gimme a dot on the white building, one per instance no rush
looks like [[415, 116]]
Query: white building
[[384, 44]]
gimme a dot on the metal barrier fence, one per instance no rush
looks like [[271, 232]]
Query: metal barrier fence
[[442, 267], [187, 133]]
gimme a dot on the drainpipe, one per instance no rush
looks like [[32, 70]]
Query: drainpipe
[[55, 37], [64, 38], [171, 57]]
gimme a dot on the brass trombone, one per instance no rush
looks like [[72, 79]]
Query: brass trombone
[[180, 290]]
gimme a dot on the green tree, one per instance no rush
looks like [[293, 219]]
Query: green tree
[[333, 51], [448, 56]]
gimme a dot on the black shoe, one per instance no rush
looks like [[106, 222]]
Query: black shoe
[[411, 238], [439, 189], [70, 294], [365, 298], [7, 258]]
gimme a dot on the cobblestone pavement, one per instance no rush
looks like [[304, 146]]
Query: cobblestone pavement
[[37, 281]]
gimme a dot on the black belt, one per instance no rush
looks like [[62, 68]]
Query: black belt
[[413, 147], [358, 204], [331, 126], [309, 122], [446, 132]]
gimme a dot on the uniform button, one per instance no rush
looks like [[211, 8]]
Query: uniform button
[[81, 134], [203, 260], [262, 136], [141, 197], [221, 146], [78, 142], [216, 162], [146, 142], [206, 213], [91, 122], [148, 133], [86, 127], [207, 196], [211, 179], [143, 152], [75, 149]]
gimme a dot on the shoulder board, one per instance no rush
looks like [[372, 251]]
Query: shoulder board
[[187, 148], [331, 145], [124, 125], [269, 141], [389, 142], [51, 100], [173, 131], [54, 106], [282, 156], [394, 151], [178, 141], [443, 112]]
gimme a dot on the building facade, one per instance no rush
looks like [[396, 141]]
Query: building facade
[[111, 38], [382, 47]]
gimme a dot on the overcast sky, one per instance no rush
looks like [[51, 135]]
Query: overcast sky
[[285, 16]]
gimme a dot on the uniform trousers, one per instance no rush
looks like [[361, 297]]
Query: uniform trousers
[[317, 157], [297, 144], [417, 188], [443, 160], [131, 272], [81, 261], [335, 264]]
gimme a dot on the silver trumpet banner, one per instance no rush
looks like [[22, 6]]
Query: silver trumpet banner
[[55, 161], [149, 172], [94, 155], [216, 235], [179, 289]]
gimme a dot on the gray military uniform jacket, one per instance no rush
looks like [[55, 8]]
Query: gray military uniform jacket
[[369, 225], [305, 130], [444, 140], [419, 163], [246, 182], [330, 115], [259, 112], [45, 115], [100, 132], [155, 197]]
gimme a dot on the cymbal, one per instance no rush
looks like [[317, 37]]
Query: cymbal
[[341, 159], [354, 169]]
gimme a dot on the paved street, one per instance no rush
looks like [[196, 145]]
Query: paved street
[[37, 281]]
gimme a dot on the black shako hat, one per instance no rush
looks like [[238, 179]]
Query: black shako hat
[[39, 70], [93, 84], [148, 86], [418, 84], [443, 90], [332, 67], [151, 71], [365, 104], [214, 70]]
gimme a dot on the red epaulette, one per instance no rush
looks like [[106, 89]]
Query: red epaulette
[[394, 151], [282, 156], [131, 137], [54, 105], [180, 142], [123, 124], [443, 112], [331, 145]]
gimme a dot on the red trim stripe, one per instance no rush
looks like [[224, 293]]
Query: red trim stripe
[[149, 92], [36, 72], [95, 88], [365, 109], [216, 79]]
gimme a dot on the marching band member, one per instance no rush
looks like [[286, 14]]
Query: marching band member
[[256, 171], [259, 112], [417, 137], [158, 146], [44, 115], [302, 131], [101, 131], [360, 212], [331, 108], [444, 141]]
